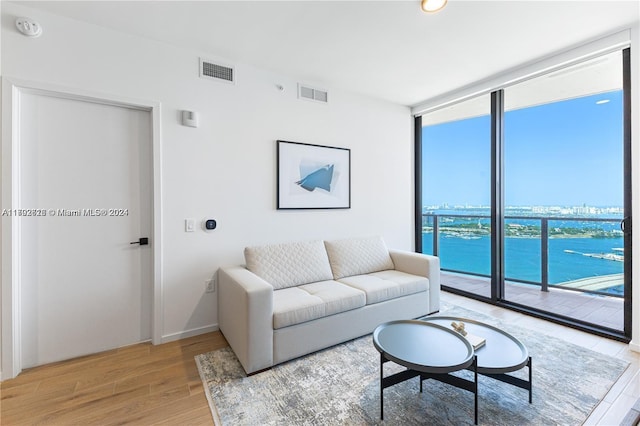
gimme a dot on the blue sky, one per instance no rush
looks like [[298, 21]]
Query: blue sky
[[566, 153]]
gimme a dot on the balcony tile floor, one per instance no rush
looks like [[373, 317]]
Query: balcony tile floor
[[596, 309]]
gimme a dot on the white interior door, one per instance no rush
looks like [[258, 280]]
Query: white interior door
[[85, 187]]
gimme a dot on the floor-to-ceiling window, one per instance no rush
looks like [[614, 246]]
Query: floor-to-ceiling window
[[561, 167], [456, 188], [564, 191]]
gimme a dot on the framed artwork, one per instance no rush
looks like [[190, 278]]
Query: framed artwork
[[313, 176]]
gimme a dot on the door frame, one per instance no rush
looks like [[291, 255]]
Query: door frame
[[10, 254]]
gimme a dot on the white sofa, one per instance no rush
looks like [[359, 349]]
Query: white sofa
[[296, 298]]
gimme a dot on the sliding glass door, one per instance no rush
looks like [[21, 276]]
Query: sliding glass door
[[564, 192], [532, 214]]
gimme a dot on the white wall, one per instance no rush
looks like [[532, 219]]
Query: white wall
[[226, 168]]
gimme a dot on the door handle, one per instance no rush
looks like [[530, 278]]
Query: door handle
[[625, 225], [143, 241]]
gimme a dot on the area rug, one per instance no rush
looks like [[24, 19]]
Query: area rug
[[340, 386]]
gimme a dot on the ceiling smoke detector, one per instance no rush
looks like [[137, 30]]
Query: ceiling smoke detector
[[28, 27]]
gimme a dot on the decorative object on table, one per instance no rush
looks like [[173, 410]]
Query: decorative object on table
[[476, 341], [313, 176], [459, 327]]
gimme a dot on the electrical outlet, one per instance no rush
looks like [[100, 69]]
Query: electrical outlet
[[210, 285]]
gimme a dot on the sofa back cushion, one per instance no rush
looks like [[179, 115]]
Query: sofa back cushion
[[290, 264], [357, 256]]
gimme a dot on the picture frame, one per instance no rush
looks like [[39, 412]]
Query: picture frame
[[313, 176]]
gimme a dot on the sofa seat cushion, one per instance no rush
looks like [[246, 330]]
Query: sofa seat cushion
[[295, 305], [385, 285], [289, 264], [357, 256]]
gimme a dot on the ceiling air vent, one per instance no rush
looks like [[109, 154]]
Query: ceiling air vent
[[311, 94], [217, 72]]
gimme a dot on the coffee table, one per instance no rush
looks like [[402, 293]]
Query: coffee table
[[502, 353], [428, 350], [431, 349]]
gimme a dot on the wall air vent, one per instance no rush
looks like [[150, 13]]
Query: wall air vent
[[312, 94], [209, 69]]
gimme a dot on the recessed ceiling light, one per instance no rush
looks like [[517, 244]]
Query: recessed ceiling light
[[431, 6], [603, 101]]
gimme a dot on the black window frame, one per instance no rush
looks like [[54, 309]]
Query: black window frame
[[497, 214]]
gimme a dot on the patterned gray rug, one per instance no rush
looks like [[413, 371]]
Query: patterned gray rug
[[340, 386]]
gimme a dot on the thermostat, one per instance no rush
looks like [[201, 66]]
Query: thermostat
[[210, 224]]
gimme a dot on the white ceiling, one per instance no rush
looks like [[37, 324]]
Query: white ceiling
[[385, 49], [597, 76]]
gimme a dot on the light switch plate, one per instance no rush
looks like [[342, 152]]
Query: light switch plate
[[189, 225]]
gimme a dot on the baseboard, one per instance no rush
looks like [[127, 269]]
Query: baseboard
[[634, 346], [189, 333]]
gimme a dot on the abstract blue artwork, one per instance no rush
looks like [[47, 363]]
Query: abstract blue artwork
[[313, 176], [320, 178]]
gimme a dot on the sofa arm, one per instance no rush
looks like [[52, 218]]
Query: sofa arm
[[423, 265], [245, 316]]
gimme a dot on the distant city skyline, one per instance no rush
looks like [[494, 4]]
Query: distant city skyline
[[583, 210], [567, 153], [547, 207]]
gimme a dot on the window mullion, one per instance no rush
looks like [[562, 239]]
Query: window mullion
[[497, 195]]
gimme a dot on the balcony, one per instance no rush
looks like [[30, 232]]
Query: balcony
[[568, 266]]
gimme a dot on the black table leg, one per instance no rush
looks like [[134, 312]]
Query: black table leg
[[381, 386], [530, 381], [459, 382], [475, 387]]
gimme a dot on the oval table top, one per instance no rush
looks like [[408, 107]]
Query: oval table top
[[502, 353], [423, 346]]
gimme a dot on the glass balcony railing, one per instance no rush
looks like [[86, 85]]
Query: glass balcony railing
[[575, 253]]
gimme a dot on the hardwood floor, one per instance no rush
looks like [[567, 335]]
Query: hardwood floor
[[145, 384], [140, 384]]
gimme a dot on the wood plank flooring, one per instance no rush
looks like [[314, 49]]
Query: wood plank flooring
[[139, 384], [145, 384]]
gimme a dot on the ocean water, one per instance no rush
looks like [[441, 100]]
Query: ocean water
[[523, 258]]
